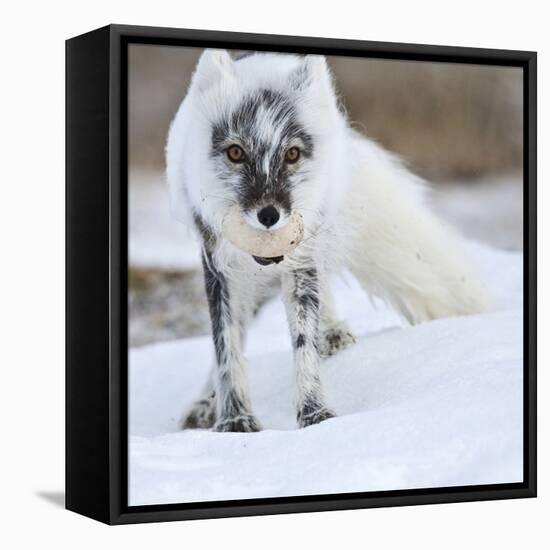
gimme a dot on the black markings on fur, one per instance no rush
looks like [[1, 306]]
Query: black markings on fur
[[207, 235], [309, 300], [315, 417], [241, 423], [306, 291], [233, 404], [202, 415], [246, 125], [312, 412], [217, 294], [307, 305], [309, 406], [334, 340]]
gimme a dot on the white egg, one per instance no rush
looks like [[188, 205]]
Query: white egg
[[260, 242]]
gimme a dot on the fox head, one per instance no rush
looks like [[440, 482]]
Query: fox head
[[263, 132]]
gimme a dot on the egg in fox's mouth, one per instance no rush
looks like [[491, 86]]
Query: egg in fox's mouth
[[265, 246], [268, 261]]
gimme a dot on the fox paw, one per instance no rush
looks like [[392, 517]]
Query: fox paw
[[202, 415], [334, 340], [314, 417], [241, 423]]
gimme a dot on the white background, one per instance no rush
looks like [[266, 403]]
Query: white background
[[32, 271]]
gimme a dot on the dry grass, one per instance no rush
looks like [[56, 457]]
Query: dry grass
[[166, 305]]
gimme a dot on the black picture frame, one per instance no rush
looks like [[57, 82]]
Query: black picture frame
[[96, 273]]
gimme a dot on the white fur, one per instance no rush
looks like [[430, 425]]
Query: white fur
[[361, 210], [376, 218]]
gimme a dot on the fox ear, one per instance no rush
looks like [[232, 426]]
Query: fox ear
[[313, 71], [213, 65]]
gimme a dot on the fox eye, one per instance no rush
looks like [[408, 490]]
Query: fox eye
[[235, 153], [292, 155]]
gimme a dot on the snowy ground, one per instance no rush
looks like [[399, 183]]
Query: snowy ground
[[438, 404]]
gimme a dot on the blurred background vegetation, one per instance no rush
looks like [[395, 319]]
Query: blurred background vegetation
[[459, 126]]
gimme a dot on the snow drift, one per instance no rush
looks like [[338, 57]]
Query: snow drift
[[438, 404]]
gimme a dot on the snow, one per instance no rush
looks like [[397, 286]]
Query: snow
[[156, 240], [438, 404], [464, 204]]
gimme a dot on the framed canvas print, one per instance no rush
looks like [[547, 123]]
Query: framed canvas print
[[300, 274]]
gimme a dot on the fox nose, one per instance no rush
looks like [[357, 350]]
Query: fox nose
[[268, 215]]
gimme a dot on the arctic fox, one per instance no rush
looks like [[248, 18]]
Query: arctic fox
[[266, 133]]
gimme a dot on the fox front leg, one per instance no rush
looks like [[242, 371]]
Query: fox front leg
[[228, 318], [301, 296]]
